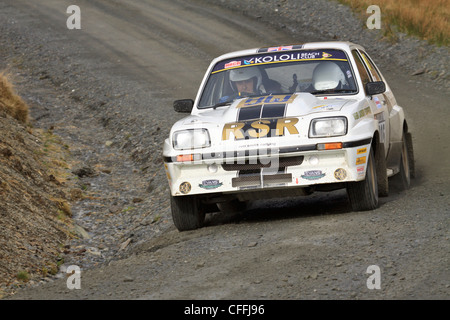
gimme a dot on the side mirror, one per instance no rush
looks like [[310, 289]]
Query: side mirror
[[375, 87], [183, 106]]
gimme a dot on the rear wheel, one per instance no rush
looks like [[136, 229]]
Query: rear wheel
[[410, 149], [403, 179], [363, 195], [187, 213]]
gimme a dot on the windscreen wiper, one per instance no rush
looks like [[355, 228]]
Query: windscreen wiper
[[331, 91], [225, 103], [221, 104]]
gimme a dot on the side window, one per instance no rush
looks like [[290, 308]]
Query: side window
[[217, 87], [361, 69], [373, 70]]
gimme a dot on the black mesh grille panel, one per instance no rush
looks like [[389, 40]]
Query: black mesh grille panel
[[267, 163]]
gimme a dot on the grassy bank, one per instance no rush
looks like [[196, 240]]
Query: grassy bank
[[10, 102], [34, 195], [426, 19]]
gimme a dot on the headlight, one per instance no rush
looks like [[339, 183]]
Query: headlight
[[328, 127], [191, 139]]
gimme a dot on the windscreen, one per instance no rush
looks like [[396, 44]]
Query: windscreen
[[314, 71]]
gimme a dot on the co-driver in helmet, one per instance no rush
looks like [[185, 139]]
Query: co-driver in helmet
[[328, 76]]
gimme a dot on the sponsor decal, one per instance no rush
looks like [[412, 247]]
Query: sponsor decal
[[360, 171], [313, 175], [284, 57], [210, 184], [259, 128], [279, 55], [377, 102], [232, 64], [260, 117], [361, 113], [167, 172], [275, 99], [381, 126], [327, 107], [257, 144], [281, 48], [361, 151], [185, 187], [360, 160], [340, 174]]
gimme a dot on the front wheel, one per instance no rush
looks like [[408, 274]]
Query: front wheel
[[382, 177], [363, 195], [187, 213]]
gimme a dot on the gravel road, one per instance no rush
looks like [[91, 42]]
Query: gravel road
[[107, 90]]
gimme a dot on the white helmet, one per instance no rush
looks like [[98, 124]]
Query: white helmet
[[328, 75], [241, 74]]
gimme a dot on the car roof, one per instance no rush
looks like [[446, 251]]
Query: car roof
[[342, 45]]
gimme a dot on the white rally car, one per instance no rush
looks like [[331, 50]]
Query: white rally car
[[286, 121]]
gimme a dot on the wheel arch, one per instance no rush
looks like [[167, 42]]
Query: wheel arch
[[375, 142], [405, 126]]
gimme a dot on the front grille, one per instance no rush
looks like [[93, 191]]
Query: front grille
[[246, 181], [258, 180], [266, 163]]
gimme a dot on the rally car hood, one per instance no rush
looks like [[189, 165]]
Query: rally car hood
[[263, 107]]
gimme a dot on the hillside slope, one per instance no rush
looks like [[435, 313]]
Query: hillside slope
[[34, 212]]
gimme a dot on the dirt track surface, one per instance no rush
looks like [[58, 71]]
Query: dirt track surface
[[116, 79]]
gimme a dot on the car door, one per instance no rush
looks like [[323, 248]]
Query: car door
[[380, 104], [395, 118]]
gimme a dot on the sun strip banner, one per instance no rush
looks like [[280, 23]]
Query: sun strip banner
[[278, 57]]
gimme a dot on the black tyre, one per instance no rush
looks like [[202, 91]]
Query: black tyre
[[402, 179], [363, 195], [410, 149], [382, 177], [187, 213]]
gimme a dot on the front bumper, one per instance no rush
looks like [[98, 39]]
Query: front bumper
[[287, 167]]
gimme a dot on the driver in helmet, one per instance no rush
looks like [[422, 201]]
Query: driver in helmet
[[245, 82]]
